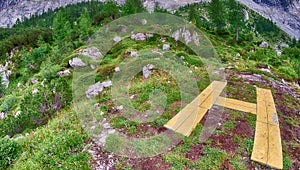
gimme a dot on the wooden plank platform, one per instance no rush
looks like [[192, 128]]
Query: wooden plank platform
[[188, 118], [236, 105], [267, 147]]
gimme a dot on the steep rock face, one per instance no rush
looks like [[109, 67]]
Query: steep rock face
[[285, 13], [11, 10]]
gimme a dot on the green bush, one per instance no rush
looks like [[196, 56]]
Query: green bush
[[288, 72], [9, 151]]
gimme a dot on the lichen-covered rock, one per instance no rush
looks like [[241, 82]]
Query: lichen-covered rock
[[34, 80], [138, 37], [76, 62], [264, 44], [166, 47], [64, 73], [91, 52], [147, 70], [94, 90]]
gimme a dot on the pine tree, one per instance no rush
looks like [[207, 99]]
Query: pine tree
[[85, 24], [132, 7], [217, 14], [61, 27], [235, 16]]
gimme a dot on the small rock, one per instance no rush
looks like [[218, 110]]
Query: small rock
[[264, 44], [34, 80], [106, 126], [166, 47], [117, 39], [132, 97], [133, 54], [149, 35], [107, 83], [93, 90], [17, 113], [238, 55], [117, 69], [138, 37], [91, 52], [76, 62], [120, 107], [144, 21], [64, 73], [279, 53], [35, 91], [2, 115], [147, 70]]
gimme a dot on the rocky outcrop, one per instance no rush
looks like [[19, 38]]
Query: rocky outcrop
[[285, 13]]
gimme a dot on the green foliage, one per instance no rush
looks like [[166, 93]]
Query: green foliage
[[217, 14], [61, 27], [9, 151], [85, 24], [213, 159], [132, 7], [58, 145], [288, 72], [235, 16]]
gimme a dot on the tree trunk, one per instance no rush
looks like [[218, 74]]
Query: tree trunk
[[236, 33]]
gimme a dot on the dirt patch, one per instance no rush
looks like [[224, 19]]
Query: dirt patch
[[195, 152], [242, 128], [224, 142]]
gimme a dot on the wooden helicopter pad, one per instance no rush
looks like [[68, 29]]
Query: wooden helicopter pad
[[267, 147]]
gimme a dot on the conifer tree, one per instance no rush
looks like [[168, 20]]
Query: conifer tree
[[133, 6], [235, 16], [217, 14], [85, 24]]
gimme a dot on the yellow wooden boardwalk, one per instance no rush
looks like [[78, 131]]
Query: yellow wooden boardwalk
[[267, 142]]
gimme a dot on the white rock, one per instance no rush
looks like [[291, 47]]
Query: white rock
[[138, 37], [120, 107], [133, 54], [91, 52], [2, 115], [144, 21], [18, 113], [132, 97], [64, 73], [34, 80], [147, 70], [264, 44], [93, 90], [117, 69], [76, 62], [117, 39], [166, 47], [107, 83], [35, 91]]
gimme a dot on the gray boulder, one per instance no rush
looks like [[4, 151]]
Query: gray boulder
[[76, 62]]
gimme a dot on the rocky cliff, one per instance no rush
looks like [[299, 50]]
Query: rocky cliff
[[285, 13]]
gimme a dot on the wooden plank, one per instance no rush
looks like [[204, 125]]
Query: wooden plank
[[271, 109], [262, 115], [188, 118], [236, 105], [189, 124], [260, 147], [275, 159]]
